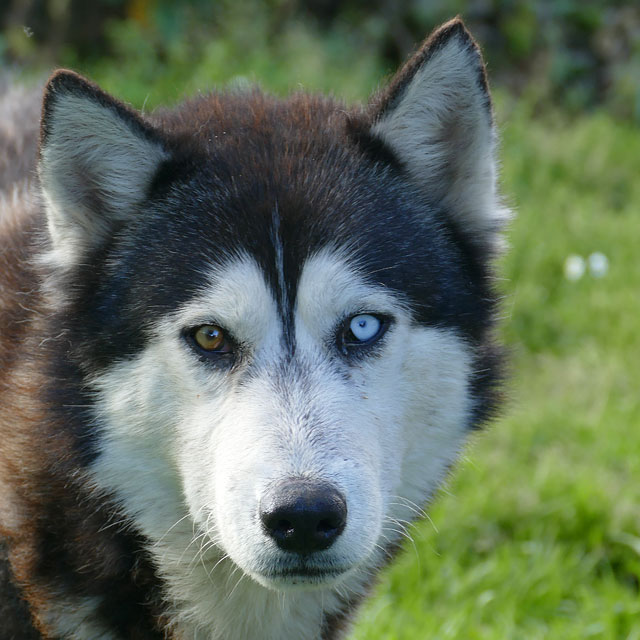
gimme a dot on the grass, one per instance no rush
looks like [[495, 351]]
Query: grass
[[538, 533]]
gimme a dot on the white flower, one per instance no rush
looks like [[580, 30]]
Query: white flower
[[574, 267], [598, 264]]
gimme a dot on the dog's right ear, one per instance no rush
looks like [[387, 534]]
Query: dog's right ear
[[97, 160], [437, 119]]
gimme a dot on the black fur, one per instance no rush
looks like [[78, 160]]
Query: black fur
[[14, 611]]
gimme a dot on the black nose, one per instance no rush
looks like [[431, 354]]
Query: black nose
[[303, 515]]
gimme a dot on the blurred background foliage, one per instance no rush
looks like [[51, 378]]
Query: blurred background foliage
[[574, 53]]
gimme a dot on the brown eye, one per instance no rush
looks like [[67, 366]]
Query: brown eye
[[211, 338]]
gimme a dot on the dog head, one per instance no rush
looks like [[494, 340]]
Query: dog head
[[281, 310]]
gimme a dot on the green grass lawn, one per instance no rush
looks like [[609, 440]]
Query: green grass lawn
[[538, 533]]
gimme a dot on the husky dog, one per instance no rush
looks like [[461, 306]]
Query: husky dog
[[242, 342]]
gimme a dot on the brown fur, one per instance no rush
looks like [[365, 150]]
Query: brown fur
[[51, 525]]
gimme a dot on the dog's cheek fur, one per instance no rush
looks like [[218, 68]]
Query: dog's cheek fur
[[137, 411], [139, 408], [437, 373]]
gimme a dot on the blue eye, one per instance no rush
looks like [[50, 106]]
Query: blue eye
[[361, 331], [365, 327]]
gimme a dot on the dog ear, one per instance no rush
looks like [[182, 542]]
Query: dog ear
[[96, 162], [436, 116]]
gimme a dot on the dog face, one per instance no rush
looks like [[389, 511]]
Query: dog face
[[236, 431], [281, 310]]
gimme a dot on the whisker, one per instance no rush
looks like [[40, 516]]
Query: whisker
[[242, 576], [175, 524]]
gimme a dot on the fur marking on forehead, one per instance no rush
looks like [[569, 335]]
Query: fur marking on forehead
[[238, 299], [331, 288], [281, 284]]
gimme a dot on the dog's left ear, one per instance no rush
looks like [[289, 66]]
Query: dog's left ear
[[436, 116]]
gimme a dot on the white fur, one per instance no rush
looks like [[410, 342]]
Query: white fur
[[442, 129], [189, 449], [91, 156]]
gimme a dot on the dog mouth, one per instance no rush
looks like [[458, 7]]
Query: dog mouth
[[303, 574]]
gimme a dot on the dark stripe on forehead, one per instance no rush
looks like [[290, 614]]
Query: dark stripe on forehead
[[283, 288]]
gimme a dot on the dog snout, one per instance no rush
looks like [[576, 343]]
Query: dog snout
[[303, 515]]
